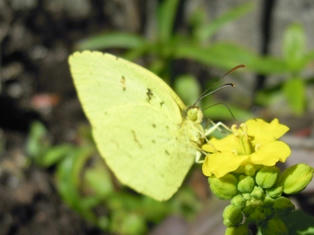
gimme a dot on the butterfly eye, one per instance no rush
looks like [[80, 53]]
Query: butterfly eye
[[195, 114]]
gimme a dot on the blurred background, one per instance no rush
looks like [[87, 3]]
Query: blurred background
[[52, 180]]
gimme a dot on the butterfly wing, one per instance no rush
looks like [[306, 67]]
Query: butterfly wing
[[136, 120]]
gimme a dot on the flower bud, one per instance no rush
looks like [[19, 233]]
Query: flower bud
[[269, 201], [294, 179], [257, 193], [257, 215], [275, 226], [232, 216], [266, 177], [224, 187], [283, 205], [246, 196], [238, 200], [239, 230], [275, 191], [251, 205], [246, 184], [249, 169]]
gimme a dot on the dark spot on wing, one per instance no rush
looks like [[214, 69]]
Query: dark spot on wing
[[116, 57], [166, 152], [149, 95], [167, 127], [154, 125], [154, 141], [122, 81], [136, 139], [162, 103], [105, 113]]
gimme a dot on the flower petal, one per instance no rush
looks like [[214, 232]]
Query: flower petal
[[229, 143], [264, 132], [269, 154], [219, 164]]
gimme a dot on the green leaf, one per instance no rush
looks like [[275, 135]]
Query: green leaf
[[166, 16], [127, 223], [299, 223], [55, 154], [98, 179], [68, 180], [206, 30], [309, 57], [188, 88], [36, 143], [294, 90], [269, 65], [111, 40], [224, 55], [137, 52], [294, 44]]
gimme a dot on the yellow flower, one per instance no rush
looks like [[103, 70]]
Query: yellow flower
[[254, 142]]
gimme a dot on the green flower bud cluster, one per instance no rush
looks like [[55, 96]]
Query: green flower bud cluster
[[255, 195]]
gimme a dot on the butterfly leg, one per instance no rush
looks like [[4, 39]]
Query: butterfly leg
[[198, 157], [214, 127]]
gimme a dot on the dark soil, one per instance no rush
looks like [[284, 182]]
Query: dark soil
[[36, 38]]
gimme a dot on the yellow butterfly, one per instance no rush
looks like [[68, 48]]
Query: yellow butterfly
[[143, 130]]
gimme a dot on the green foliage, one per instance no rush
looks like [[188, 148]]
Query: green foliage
[[86, 185], [203, 31], [295, 58]]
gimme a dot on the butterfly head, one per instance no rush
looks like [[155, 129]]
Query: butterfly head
[[194, 114]]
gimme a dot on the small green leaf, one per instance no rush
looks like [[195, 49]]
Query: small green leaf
[[166, 16], [111, 40], [294, 90], [294, 46], [188, 88], [68, 178], [55, 154], [98, 179], [203, 33], [36, 143]]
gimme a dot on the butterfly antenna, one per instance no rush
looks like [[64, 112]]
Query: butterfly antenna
[[233, 69], [208, 92]]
